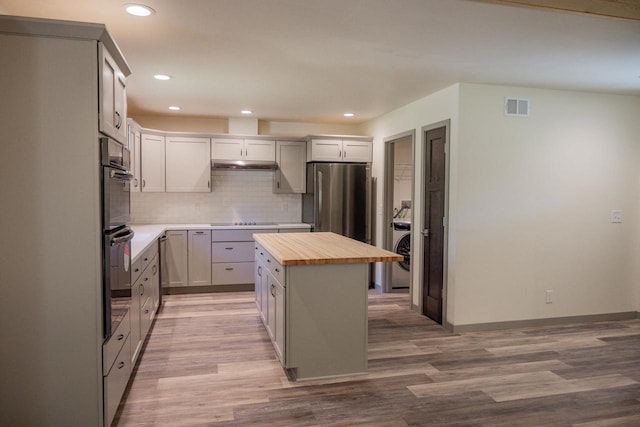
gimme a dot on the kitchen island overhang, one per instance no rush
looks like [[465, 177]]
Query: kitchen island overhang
[[311, 292]]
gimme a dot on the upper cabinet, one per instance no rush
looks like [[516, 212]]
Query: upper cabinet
[[243, 149], [290, 177], [113, 101], [152, 163], [188, 168], [339, 150]]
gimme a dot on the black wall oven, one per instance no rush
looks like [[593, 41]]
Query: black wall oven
[[116, 235]]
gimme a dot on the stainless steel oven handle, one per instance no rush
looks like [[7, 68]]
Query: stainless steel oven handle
[[125, 235], [121, 175]]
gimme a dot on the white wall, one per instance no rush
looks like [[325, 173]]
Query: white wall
[[530, 201], [440, 106], [534, 199]]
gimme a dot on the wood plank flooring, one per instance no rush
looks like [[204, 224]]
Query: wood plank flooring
[[209, 362]]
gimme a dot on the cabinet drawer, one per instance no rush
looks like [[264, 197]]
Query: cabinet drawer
[[232, 273], [136, 269], [260, 252], [275, 268], [232, 251], [143, 261], [116, 381], [113, 346], [244, 235]]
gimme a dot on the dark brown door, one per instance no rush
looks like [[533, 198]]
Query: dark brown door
[[433, 234]]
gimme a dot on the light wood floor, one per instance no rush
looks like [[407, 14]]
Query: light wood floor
[[209, 362]]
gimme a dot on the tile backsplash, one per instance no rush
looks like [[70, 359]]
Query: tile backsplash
[[236, 196]]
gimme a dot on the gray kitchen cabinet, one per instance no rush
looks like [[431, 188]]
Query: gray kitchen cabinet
[[144, 293], [113, 100], [232, 256], [291, 175], [134, 148], [152, 163], [243, 149], [188, 168], [177, 258], [199, 257], [340, 149], [261, 285]]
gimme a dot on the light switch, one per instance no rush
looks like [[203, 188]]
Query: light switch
[[616, 216]]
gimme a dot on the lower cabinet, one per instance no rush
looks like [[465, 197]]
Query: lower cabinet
[[270, 298], [115, 382], [199, 257], [177, 258], [188, 258], [145, 293]]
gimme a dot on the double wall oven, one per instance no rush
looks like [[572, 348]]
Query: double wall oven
[[116, 234]]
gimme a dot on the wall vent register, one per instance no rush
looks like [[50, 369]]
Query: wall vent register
[[516, 107]]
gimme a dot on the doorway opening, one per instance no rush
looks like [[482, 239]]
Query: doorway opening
[[434, 190], [398, 210]]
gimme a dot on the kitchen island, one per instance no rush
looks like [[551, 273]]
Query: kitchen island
[[311, 292]]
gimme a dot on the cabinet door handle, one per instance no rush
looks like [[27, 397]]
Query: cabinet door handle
[[144, 183], [208, 183], [339, 153], [241, 152], [260, 270], [154, 269], [229, 268], [135, 182], [120, 365], [278, 184], [273, 291], [146, 311], [118, 118]]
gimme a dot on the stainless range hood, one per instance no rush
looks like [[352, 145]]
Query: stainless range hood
[[244, 164]]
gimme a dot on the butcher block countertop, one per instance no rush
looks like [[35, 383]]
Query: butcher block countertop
[[321, 248]]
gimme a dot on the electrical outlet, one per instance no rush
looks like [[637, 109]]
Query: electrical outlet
[[406, 204], [616, 217], [548, 296]]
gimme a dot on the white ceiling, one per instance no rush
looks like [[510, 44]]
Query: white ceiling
[[312, 60]]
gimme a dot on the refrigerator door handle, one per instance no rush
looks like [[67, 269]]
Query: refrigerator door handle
[[318, 212]]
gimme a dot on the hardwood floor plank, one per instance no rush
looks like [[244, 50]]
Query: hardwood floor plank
[[209, 362]]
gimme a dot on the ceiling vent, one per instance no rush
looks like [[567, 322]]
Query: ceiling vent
[[518, 107]]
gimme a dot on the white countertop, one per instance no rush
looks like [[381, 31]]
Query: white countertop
[[146, 234]]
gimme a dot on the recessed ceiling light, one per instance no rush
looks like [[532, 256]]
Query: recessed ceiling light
[[348, 114], [138, 9], [162, 77], [175, 108], [246, 112]]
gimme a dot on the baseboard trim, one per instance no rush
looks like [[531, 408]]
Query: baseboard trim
[[513, 324], [208, 289]]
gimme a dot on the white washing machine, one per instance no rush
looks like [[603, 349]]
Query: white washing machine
[[401, 271]]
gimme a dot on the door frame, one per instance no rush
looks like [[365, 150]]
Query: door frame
[[387, 214], [416, 232]]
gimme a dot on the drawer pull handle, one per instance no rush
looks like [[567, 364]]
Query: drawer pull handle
[[261, 253], [120, 365], [277, 270], [154, 269], [120, 337], [136, 270], [199, 232], [146, 279], [229, 249], [268, 260], [146, 311], [146, 259], [229, 268]]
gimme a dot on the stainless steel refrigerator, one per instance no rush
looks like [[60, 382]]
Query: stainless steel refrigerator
[[338, 199]]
